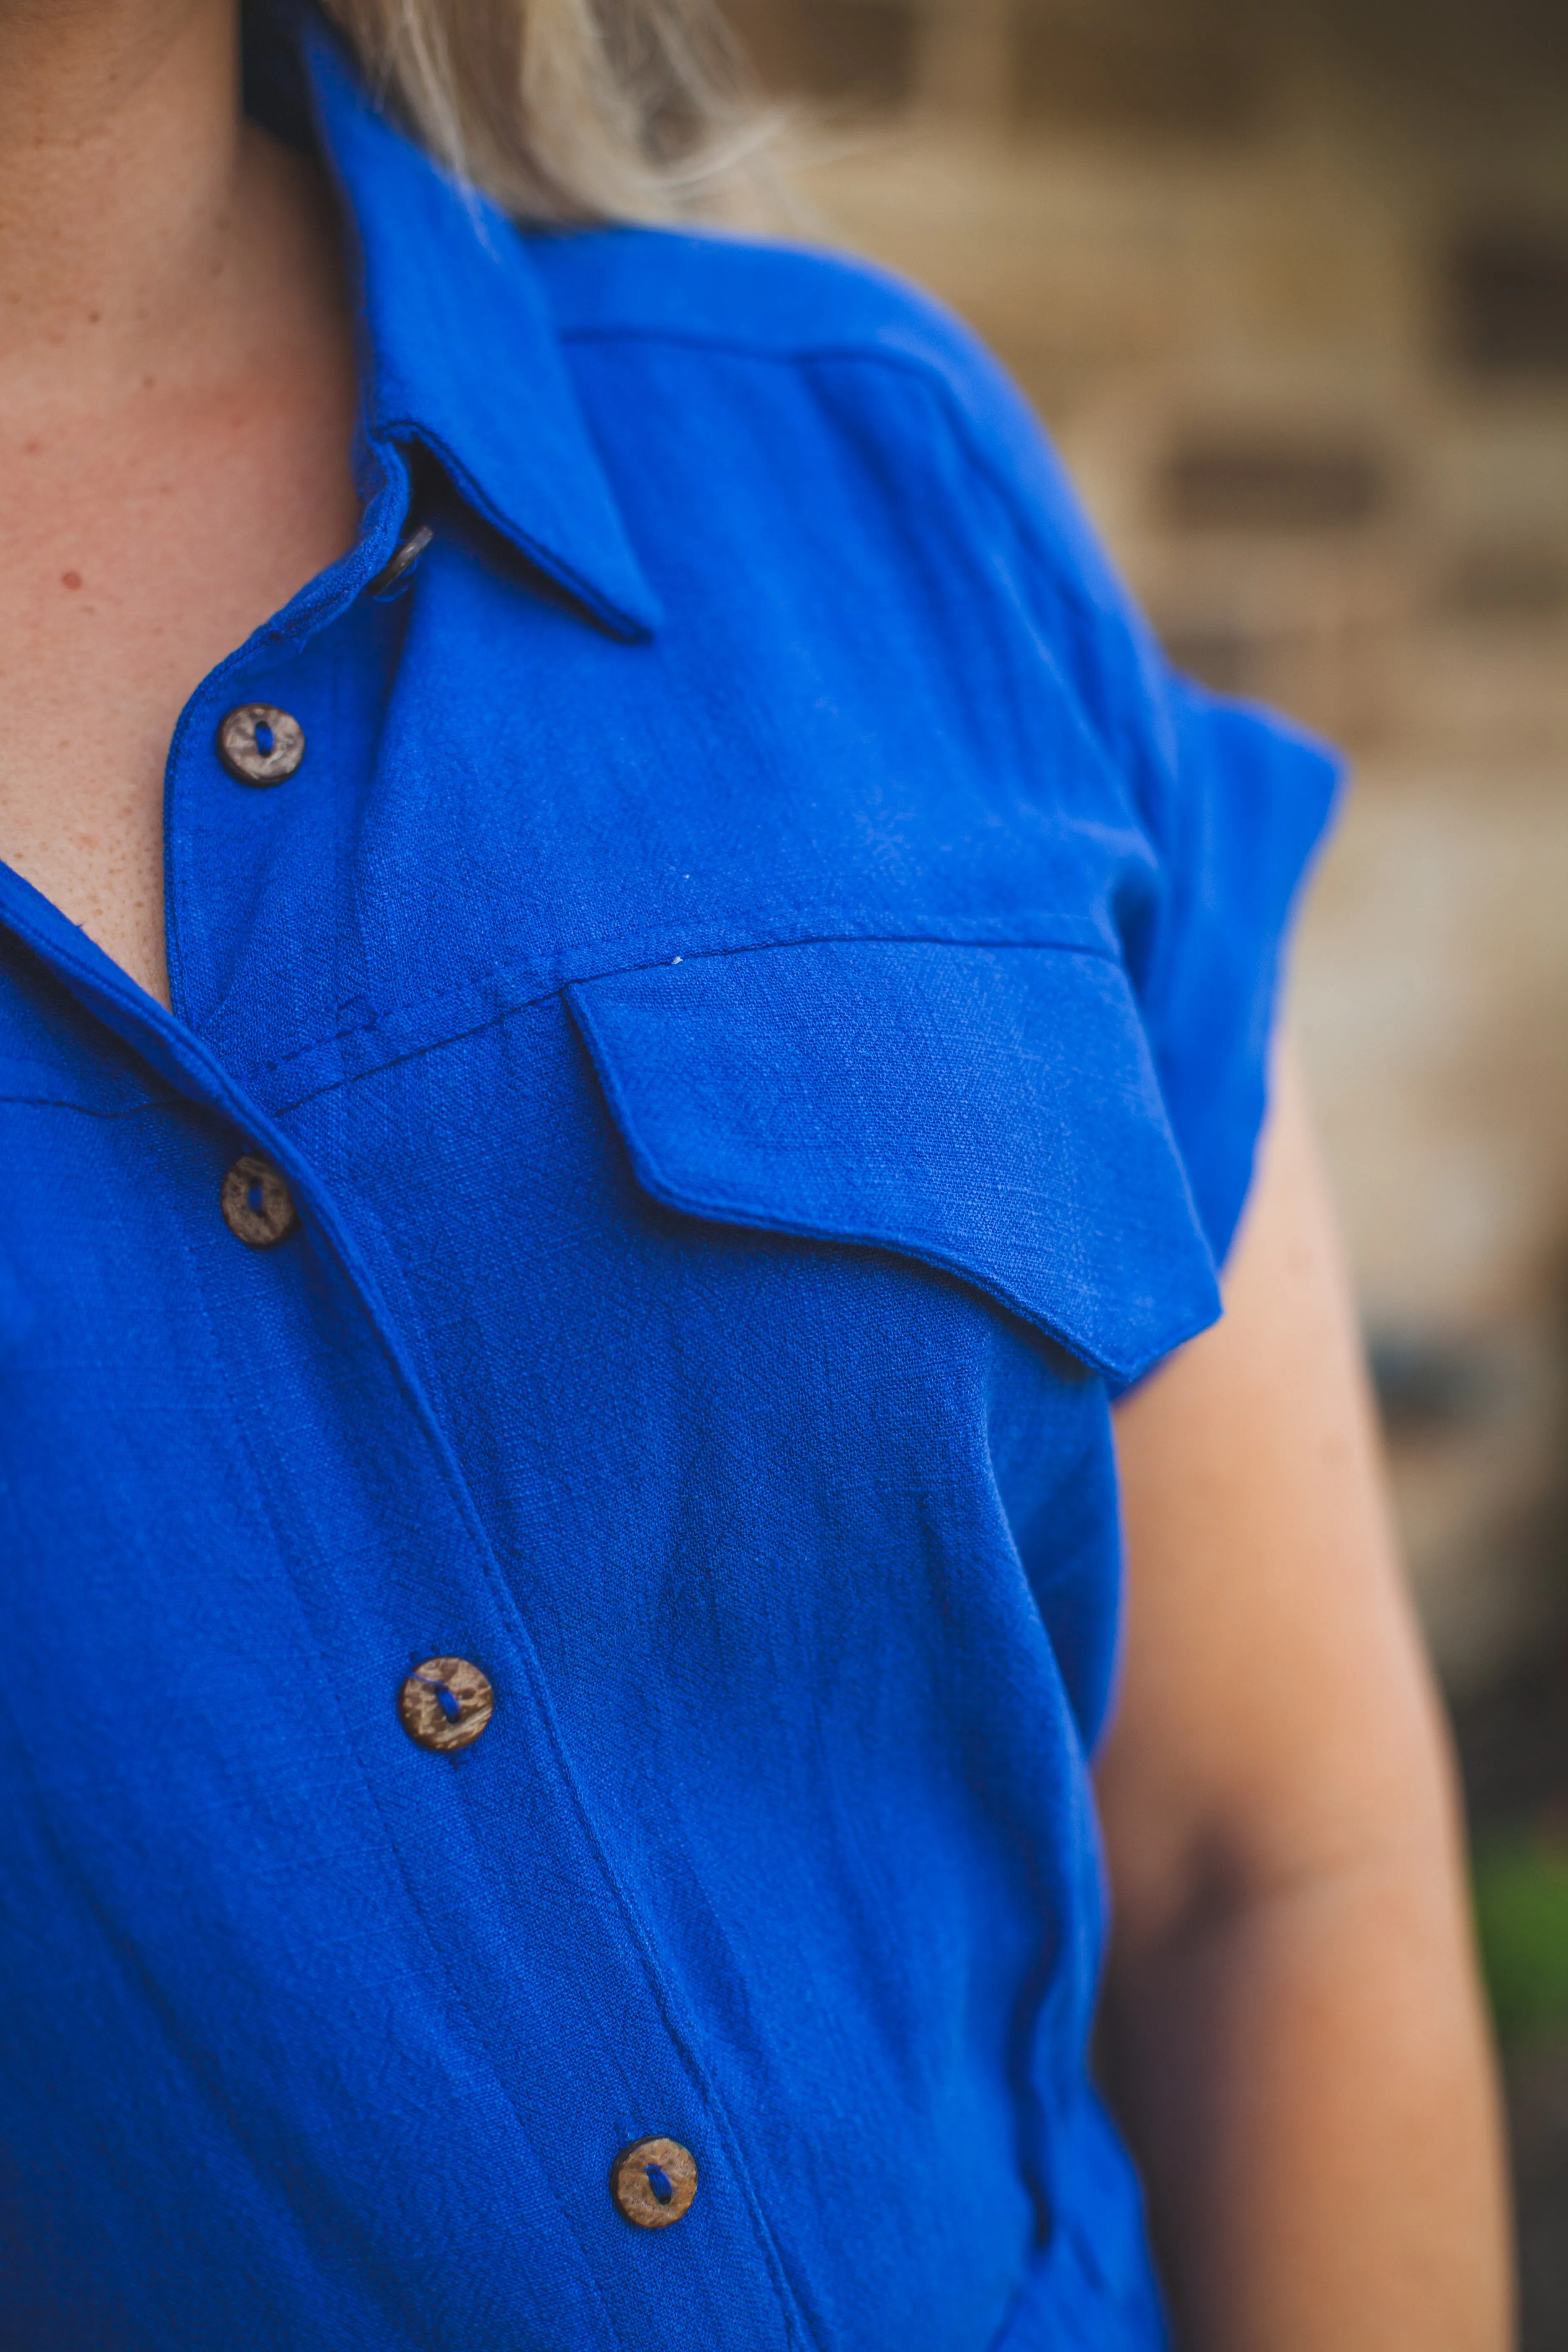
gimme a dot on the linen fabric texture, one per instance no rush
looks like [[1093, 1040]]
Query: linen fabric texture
[[759, 990]]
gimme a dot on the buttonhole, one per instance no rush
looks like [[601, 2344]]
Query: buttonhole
[[658, 2180], [255, 1199], [265, 739]]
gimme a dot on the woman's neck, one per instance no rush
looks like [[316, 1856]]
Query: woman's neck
[[134, 204], [177, 390]]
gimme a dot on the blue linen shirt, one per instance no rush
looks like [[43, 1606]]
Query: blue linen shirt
[[759, 990]]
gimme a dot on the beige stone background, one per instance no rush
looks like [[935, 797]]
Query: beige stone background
[[1289, 287]]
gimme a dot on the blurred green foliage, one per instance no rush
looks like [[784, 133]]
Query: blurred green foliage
[[1522, 1915]]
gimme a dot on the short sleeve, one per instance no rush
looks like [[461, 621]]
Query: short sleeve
[[1249, 800]]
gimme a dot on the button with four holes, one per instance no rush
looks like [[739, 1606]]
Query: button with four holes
[[260, 744], [654, 2182], [445, 1703], [258, 1206]]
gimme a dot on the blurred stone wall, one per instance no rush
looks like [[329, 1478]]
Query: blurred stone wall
[[1290, 289]]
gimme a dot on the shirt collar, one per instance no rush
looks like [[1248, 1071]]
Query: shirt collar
[[461, 353]]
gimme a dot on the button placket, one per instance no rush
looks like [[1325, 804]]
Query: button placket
[[225, 839], [562, 1834]]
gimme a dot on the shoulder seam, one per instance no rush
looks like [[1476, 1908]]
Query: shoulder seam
[[926, 371], [907, 362]]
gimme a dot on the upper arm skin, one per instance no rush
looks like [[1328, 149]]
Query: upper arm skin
[[1276, 1714], [1292, 2025]]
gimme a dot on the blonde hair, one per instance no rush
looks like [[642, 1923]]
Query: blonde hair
[[564, 111]]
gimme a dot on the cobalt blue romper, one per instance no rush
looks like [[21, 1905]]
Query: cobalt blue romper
[[743, 1028]]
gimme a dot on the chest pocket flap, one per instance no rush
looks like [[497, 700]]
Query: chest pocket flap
[[991, 1111]]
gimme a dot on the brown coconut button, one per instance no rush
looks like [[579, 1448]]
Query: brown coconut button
[[260, 744], [445, 1704], [654, 2182], [258, 1206]]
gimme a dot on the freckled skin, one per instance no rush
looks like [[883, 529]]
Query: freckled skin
[[176, 399]]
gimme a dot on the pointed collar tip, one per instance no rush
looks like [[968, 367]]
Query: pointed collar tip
[[463, 357]]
